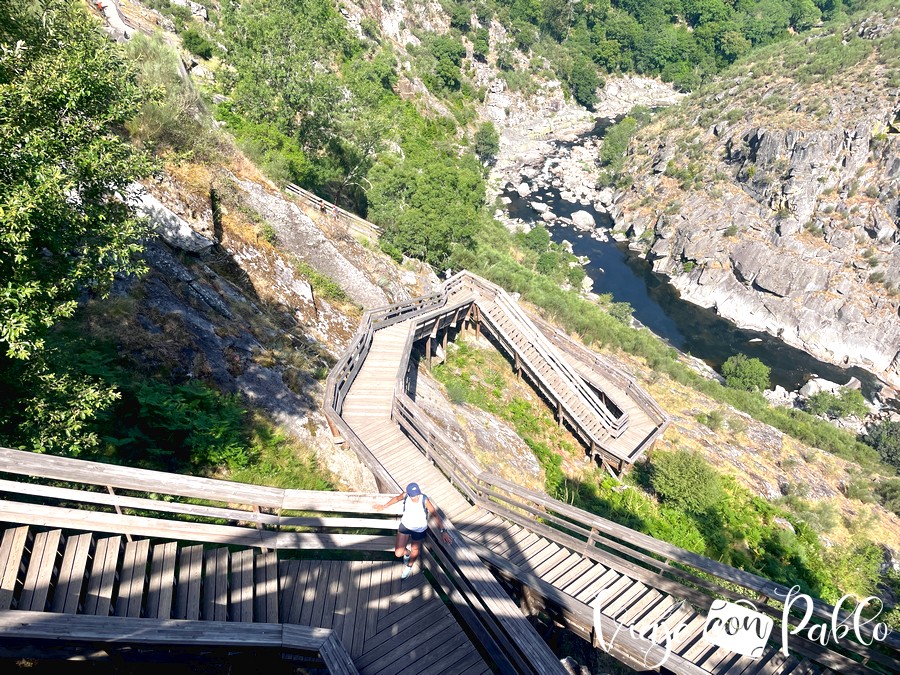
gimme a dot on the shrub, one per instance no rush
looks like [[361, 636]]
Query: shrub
[[848, 402], [885, 438], [888, 492], [686, 480], [537, 239], [741, 372], [196, 43]]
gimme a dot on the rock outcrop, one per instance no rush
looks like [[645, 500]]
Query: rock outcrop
[[778, 210]]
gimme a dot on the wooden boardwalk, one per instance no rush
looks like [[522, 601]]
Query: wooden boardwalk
[[367, 410], [509, 528], [387, 625]]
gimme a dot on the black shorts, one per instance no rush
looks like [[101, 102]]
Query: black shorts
[[416, 536]]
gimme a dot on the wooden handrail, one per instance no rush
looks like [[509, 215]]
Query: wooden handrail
[[85, 472], [81, 629], [625, 541]]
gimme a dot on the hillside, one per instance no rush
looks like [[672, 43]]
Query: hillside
[[772, 194]]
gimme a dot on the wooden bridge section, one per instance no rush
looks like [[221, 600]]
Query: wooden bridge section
[[131, 571], [554, 559]]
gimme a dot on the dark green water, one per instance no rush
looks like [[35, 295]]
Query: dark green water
[[687, 327]]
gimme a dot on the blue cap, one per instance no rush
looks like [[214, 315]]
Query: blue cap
[[413, 490]]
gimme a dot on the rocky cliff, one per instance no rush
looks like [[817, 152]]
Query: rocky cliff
[[773, 195]]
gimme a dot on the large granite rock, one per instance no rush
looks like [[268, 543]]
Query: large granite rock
[[791, 224]]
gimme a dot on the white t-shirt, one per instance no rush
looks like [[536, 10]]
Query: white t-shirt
[[415, 514]]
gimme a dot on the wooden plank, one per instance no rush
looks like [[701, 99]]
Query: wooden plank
[[348, 623], [407, 648], [341, 600], [242, 586], [287, 577], [41, 567], [133, 578], [161, 589], [12, 568], [98, 599], [310, 591], [441, 652], [266, 575], [321, 594], [299, 591], [334, 590], [190, 574], [362, 607], [215, 585], [72, 573]]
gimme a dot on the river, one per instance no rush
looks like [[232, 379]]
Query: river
[[657, 305]]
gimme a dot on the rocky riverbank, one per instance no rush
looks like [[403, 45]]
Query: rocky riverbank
[[782, 218], [545, 140]]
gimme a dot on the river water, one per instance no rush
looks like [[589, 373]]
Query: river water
[[657, 305]]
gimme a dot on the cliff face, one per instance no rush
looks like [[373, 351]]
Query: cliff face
[[773, 195]]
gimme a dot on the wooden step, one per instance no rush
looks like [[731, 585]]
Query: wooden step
[[42, 568], [133, 578], [161, 591], [190, 580], [72, 574], [12, 564], [98, 598], [215, 585]]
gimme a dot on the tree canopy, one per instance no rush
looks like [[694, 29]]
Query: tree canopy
[[741, 372], [65, 92]]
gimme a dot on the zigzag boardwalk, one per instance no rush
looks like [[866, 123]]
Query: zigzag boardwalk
[[568, 562]]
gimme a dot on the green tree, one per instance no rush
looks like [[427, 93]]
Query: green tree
[[65, 93], [686, 480], [583, 81], [64, 90], [537, 239], [487, 142], [196, 43], [481, 44], [885, 438], [846, 403], [744, 373]]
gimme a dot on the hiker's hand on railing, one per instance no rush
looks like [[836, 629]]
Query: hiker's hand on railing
[[379, 507], [447, 538]]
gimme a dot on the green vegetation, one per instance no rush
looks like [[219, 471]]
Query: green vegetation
[[487, 142], [196, 43], [61, 230], [700, 510], [849, 402], [746, 374], [174, 120], [686, 480], [885, 438]]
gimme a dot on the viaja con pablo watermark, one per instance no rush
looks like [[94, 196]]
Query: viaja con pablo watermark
[[740, 628]]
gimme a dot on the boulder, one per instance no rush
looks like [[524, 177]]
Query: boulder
[[523, 189], [583, 220], [173, 229], [540, 207]]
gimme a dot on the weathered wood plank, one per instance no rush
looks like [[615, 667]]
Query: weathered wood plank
[[12, 568], [161, 589], [242, 586], [215, 585], [41, 567], [266, 575], [98, 599], [72, 573], [190, 573], [133, 578]]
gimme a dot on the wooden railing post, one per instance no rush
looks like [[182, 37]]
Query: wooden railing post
[[116, 507]]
